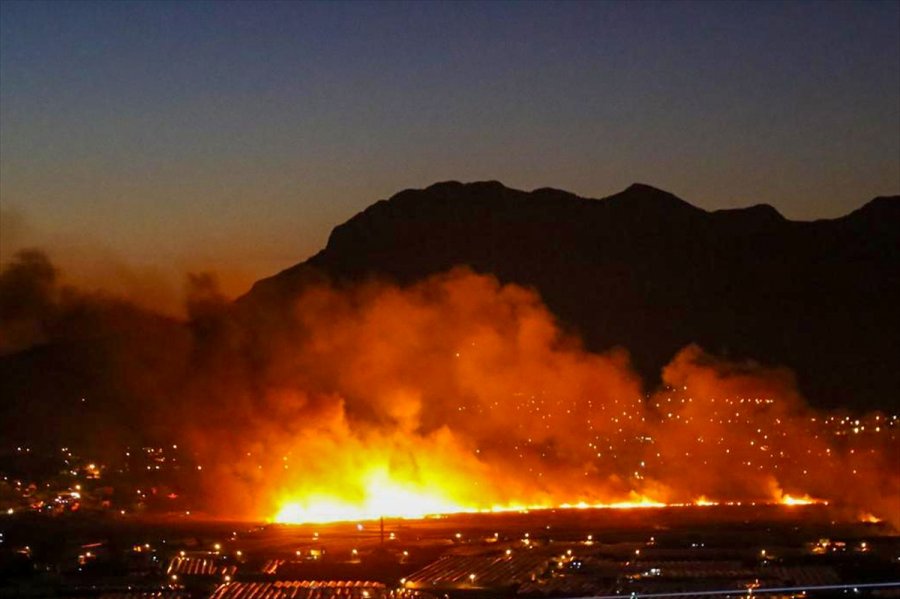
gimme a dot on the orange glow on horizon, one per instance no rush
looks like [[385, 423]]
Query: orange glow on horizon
[[462, 395], [805, 500], [388, 498], [384, 496], [870, 519]]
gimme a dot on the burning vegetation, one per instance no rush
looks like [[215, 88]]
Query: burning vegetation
[[454, 394]]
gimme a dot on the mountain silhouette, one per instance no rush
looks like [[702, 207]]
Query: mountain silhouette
[[641, 269], [647, 271]]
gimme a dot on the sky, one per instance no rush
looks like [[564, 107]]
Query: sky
[[142, 140]]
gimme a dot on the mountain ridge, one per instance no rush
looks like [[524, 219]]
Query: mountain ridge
[[645, 270], [650, 275]]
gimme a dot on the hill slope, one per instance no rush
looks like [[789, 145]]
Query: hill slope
[[646, 270]]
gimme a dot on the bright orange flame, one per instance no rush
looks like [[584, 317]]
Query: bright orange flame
[[870, 518], [383, 493], [460, 394], [384, 496], [396, 501], [805, 500], [783, 498]]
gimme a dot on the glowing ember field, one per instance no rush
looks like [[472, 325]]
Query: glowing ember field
[[577, 522], [393, 501], [462, 395]]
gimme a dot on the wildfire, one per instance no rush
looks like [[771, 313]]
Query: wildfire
[[786, 499], [805, 500], [388, 498], [384, 496], [870, 518], [459, 394], [640, 502]]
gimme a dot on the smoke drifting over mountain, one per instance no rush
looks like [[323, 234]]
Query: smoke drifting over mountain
[[455, 392]]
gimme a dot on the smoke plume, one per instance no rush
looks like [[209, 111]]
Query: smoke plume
[[454, 392]]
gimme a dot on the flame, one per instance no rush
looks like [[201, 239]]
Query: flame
[[805, 500], [870, 518], [780, 497], [386, 497], [383, 497], [392, 491], [402, 503], [395, 501], [460, 394], [786, 499]]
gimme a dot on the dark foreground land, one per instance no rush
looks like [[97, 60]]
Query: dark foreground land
[[567, 553]]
